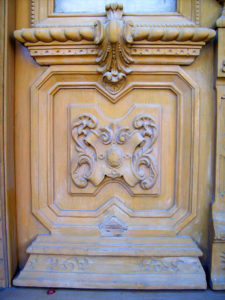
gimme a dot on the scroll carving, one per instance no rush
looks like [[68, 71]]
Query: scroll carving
[[173, 265], [59, 264], [71, 264], [74, 264], [85, 155], [114, 151]]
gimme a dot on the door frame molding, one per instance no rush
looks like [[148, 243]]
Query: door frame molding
[[8, 248], [42, 11]]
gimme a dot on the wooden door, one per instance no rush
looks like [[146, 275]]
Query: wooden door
[[114, 126]]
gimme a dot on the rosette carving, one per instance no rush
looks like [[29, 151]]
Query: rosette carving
[[114, 151]]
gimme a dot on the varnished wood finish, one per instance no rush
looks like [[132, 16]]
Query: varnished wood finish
[[99, 94]]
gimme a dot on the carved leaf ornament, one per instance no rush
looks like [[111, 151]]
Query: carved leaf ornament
[[116, 34], [114, 151], [113, 56]]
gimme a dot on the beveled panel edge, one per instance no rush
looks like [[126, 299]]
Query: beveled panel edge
[[46, 216], [116, 246]]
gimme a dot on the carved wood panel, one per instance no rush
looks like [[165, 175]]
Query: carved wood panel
[[124, 149], [119, 158]]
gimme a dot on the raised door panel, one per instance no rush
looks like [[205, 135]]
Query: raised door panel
[[123, 158]]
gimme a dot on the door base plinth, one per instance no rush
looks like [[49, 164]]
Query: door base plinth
[[127, 263], [112, 272]]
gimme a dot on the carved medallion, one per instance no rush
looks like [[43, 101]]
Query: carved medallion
[[114, 151]]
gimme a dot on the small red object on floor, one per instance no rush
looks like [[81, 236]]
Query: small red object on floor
[[51, 291]]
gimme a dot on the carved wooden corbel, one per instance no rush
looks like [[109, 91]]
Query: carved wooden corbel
[[114, 55]]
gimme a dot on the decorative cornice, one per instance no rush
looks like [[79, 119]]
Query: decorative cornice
[[117, 43]]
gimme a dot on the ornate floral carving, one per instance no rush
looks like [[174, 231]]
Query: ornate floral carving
[[114, 56], [85, 155], [116, 42], [142, 156], [114, 151]]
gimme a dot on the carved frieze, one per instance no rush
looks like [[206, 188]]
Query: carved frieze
[[60, 264], [112, 272], [114, 151], [88, 264]]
